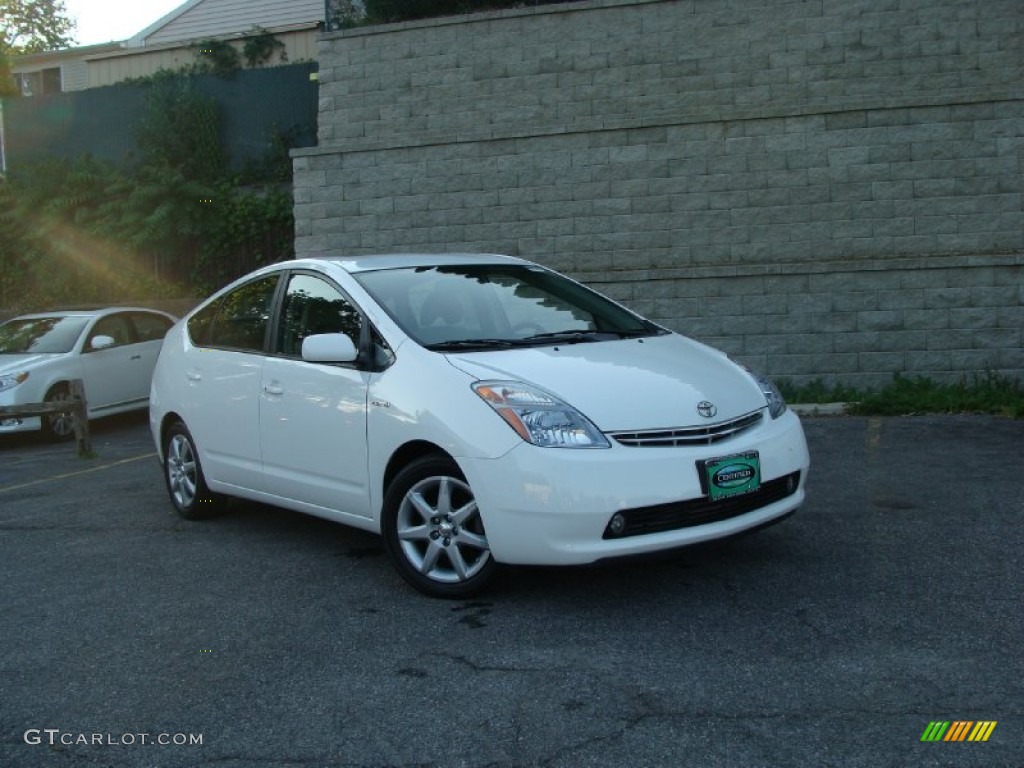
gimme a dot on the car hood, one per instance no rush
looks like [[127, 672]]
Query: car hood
[[627, 384], [15, 363]]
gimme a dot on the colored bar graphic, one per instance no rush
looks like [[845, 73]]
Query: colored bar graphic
[[935, 730], [958, 730], [982, 730]]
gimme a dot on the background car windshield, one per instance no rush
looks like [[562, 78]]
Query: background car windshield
[[40, 335], [437, 305]]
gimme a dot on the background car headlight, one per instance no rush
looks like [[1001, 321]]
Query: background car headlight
[[540, 418], [11, 380], [776, 403]]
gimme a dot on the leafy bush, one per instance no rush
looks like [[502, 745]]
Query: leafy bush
[[260, 46], [217, 56]]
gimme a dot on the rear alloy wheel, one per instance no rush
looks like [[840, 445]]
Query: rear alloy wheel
[[433, 530], [58, 426], [184, 476]]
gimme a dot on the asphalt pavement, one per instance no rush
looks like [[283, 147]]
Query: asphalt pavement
[[892, 600]]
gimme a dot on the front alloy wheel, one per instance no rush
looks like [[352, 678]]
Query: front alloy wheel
[[58, 426], [433, 530]]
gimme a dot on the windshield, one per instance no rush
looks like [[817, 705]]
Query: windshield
[[40, 335], [496, 306]]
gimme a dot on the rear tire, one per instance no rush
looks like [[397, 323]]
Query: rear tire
[[183, 475], [434, 532]]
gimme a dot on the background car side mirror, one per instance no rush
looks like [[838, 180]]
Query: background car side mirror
[[101, 342], [329, 348]]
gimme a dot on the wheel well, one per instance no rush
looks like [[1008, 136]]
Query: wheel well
[[404, 456], [57, 386], [168, 420]]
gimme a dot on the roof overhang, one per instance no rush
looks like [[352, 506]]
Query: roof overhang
[[132, 50]]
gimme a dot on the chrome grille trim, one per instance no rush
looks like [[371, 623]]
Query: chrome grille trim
[[673, 437]]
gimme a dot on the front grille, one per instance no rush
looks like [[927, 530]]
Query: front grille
[[687, 514], [708, 435]]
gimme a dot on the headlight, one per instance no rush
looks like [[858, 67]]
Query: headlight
[[11, 380], [540, 418], [776, 403]]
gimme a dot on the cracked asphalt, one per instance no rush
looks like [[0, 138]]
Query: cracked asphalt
[[891, 600]]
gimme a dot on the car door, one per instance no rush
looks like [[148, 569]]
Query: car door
[[150, 329], [107, 372], [222, 373], [313, 415]]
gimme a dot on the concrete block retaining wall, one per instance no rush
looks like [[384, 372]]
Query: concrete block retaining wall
[[822, 188]]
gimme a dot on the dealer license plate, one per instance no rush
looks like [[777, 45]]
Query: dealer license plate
[[731, 475]]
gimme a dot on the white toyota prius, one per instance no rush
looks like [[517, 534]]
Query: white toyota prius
[[474, 410]]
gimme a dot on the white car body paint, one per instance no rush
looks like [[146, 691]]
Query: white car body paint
[[318, 438]]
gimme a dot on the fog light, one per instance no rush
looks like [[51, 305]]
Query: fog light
[[790, 484], [617, 524]]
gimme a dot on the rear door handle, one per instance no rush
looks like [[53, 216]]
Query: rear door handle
[[194, 376], [136, 357], [273, 389]]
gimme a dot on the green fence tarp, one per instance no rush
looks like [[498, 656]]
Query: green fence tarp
[[254, 106]]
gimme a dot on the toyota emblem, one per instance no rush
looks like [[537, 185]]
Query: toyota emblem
[[706, 409]]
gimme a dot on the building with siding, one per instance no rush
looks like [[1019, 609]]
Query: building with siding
[[56, 71], [167, 44]]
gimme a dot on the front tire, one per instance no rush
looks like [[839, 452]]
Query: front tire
[[183, 475], [58, 427], [433, 530]]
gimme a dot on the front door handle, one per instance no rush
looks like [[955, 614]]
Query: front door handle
[[194, 376], [273, 389]]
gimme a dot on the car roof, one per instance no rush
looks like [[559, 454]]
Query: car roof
[[86, 312], [353, 264]]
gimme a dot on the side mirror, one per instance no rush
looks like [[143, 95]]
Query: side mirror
[[101, 342], [329, 348]]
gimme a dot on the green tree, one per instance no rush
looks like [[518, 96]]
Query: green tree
[[7, 87], [31, 26]]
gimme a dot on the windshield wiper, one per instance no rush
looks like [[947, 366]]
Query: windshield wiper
[[554, 337], [577, 337], [454, 344]]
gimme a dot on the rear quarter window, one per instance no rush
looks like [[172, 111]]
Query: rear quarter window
[[150, 327], [239, 319], [200, 323]]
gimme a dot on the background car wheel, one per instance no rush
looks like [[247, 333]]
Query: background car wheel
[[184, 477], [58, 426], [433, 530]]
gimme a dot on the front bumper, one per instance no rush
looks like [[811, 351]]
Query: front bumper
[[17, 423], [548, 506]]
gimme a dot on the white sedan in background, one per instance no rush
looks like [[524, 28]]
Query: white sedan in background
[[474, 410], [113, 351]]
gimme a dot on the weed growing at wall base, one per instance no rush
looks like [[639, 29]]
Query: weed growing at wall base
[[986, 392]]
